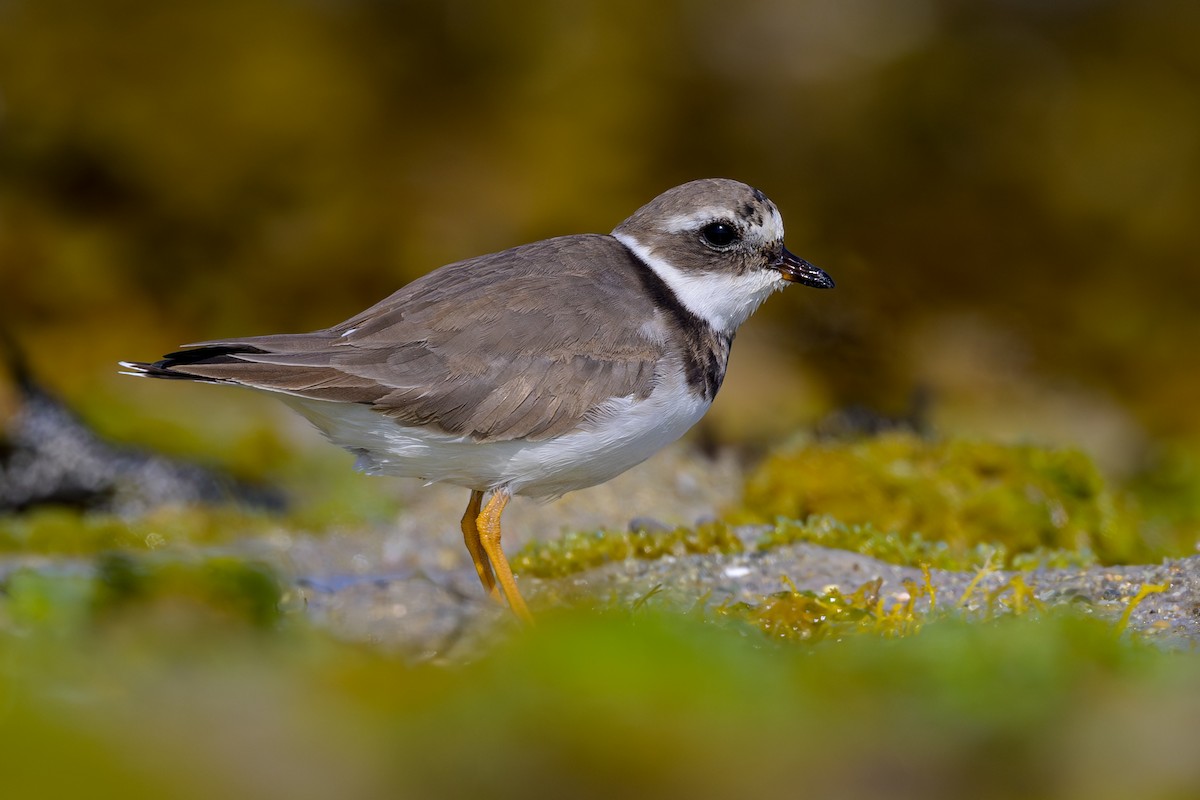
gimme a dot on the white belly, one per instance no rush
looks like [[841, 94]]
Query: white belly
[[626, 433]]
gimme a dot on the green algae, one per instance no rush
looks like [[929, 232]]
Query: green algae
[[246, 592], [1017, 500], [671, 705], [914, 549], [575, 552], [147, 666], [578, 551], [811, 616], [807, 616], [967, 479], [1167, 489], [223, 590], [980, 507], [68, 532], [901, 499]]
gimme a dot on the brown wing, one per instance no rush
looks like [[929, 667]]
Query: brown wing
[[518, 344]]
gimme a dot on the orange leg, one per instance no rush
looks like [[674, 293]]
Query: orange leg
[[475, 547], [488, 524]]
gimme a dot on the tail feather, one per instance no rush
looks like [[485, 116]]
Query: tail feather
[[174, 366], [301, 374]]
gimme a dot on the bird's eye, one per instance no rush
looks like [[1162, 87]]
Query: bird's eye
[[720, 234]]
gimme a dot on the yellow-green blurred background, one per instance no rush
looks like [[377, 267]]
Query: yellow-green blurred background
[[1005, 191]]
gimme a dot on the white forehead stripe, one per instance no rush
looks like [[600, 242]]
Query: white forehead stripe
[[723, 299]]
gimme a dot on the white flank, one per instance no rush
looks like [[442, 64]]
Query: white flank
[[621, 434], [724, 299]]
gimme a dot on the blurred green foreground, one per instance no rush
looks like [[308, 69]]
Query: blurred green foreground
[[169, 669], [170, 699]]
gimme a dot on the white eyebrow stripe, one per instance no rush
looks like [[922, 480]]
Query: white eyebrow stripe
[[693, 220], [772, 229]]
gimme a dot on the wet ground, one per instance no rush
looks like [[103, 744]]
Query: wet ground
[[440, 613], [407, 585], [410, 587]]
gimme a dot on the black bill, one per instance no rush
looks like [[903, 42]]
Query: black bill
[[797, 270]]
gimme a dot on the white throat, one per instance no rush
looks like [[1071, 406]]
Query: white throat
[[724, 300]]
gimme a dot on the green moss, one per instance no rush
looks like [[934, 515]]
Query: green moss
[[913, 549], [575, 552], [1016, 500], [147, 700], [1168, 494], [663, 695], [239, 590], [63, 531], [53, 604], [216, 590]]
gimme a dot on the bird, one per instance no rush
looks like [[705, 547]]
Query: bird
[[534, 371]]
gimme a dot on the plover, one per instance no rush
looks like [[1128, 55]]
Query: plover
[[538, 370]]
